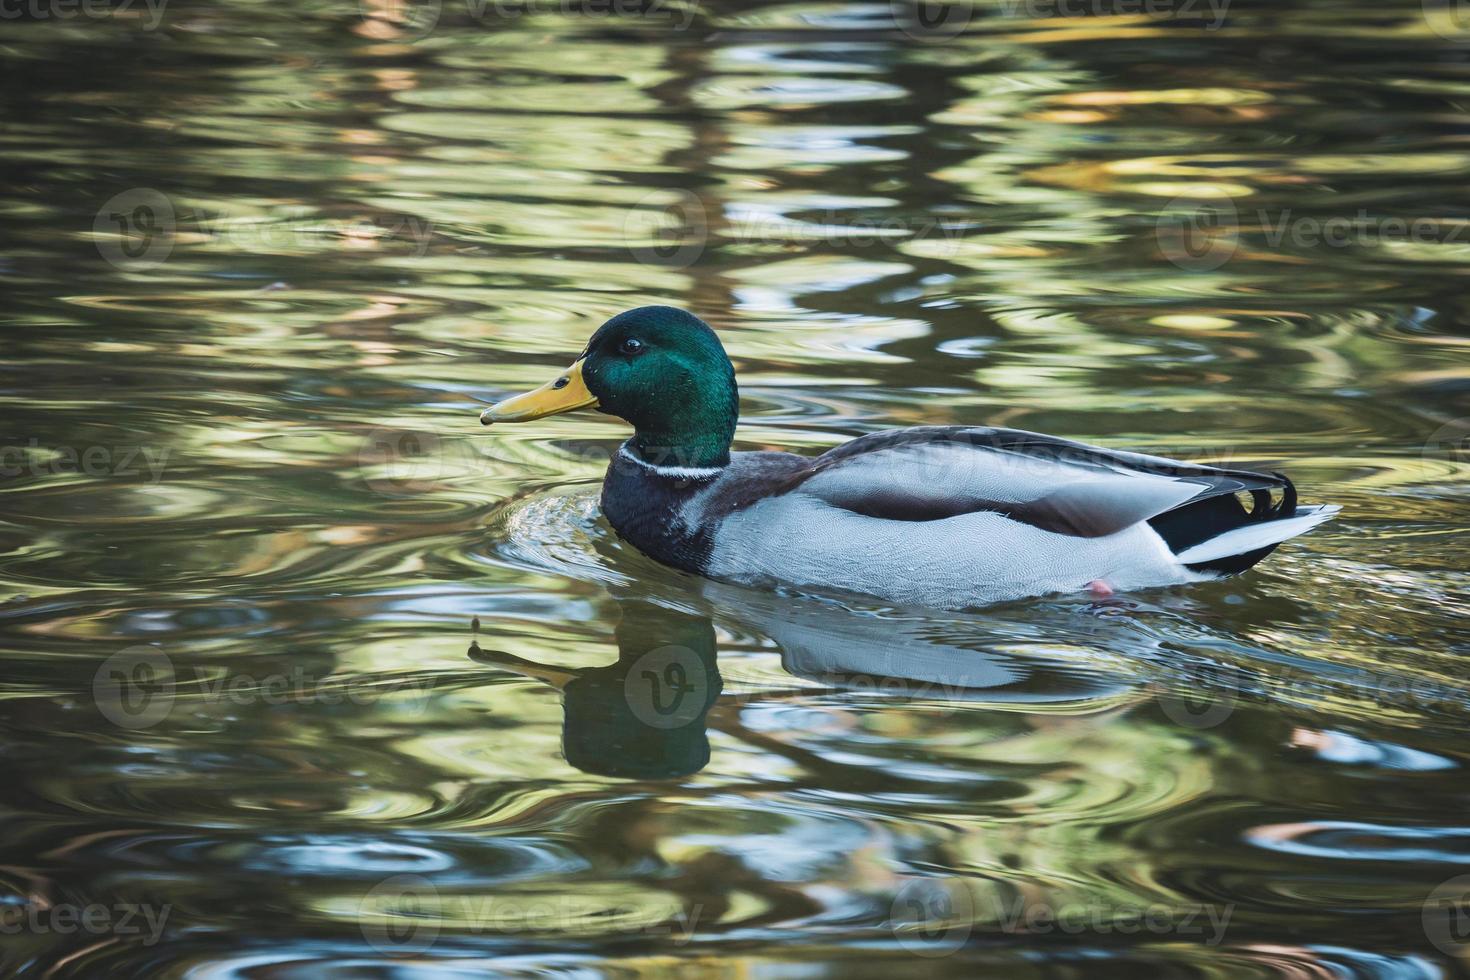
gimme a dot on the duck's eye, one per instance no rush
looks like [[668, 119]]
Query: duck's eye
[[631, 346]]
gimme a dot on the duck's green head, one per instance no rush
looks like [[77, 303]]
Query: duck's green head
[[658, 368]]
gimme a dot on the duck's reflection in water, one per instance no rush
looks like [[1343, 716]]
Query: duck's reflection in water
[[646, 715], [642, 717]]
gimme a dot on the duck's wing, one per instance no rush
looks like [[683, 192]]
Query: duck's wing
[[934, 472]]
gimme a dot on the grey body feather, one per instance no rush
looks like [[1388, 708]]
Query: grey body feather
[[943, 516]]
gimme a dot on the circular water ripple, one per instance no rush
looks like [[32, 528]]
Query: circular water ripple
[[446, 858], [233, 789], [559, 533], [1359, 841]]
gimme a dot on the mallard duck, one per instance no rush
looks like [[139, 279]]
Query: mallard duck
[[949, 516]]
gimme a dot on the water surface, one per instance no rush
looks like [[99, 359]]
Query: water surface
[[330, 681]]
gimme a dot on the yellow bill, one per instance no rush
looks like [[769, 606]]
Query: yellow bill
[[567, 393]]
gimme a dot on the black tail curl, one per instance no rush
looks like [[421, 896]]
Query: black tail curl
[[1187, 526], [1262, 509], [1287, 507]]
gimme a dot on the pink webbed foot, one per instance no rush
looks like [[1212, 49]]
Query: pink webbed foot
[[1099, 588]]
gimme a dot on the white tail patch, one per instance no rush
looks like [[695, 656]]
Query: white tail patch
[[1253, 536]]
